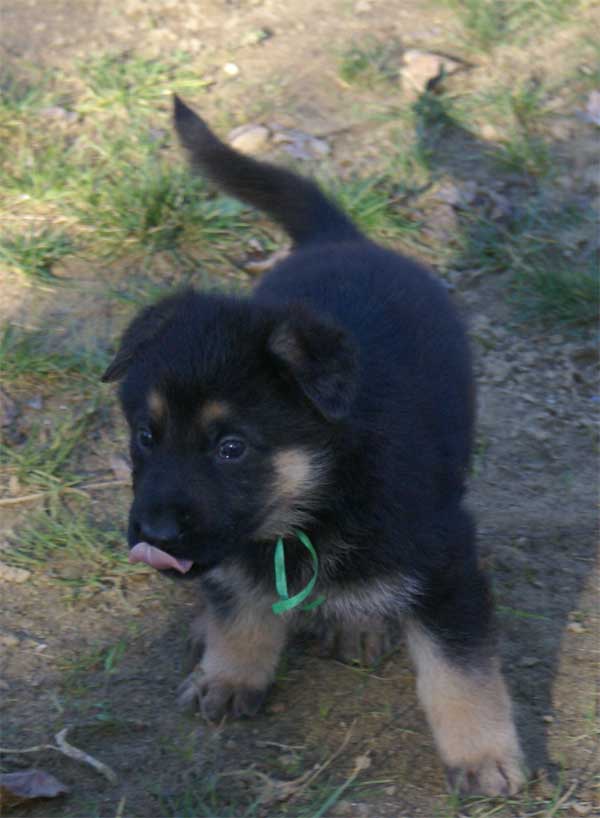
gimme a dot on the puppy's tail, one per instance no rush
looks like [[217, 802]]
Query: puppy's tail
[[296, 203]]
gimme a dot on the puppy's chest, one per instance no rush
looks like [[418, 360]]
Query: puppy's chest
[[234, 593], [374, 597]]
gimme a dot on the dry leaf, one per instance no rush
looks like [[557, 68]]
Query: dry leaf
[[26, 785], [120, 466], [261, 265]]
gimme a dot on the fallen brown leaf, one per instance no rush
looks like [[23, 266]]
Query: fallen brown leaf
[[26, 785]]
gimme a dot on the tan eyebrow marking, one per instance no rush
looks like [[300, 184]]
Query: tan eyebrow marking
[[157, 405], [214, 410]]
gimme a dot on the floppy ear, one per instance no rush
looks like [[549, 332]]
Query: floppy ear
[[321, 358], [143, 329]]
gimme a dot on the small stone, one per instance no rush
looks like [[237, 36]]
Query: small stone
[[343, 808], [575, 627], [592, 109], [443, 223], [256, 36], [231, 69], [58, 112], [489, 132], [420, 67], [249, 138], [528, 661], [301, 145], [581, 807], [319, 147], [120, 467], [9, 573], [548, 718], [391, 791], [458, 196]]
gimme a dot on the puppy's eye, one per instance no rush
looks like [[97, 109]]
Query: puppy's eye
[[231, 448], [145, 438]]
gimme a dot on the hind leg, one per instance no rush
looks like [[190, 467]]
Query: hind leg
[[461, 689], [362, 643]]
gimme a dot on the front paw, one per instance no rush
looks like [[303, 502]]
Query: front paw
[[215, 697], [502, 775]]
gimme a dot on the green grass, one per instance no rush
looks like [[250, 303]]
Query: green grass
[[152, 207], [374, 205], [40, 167], [489, 23], [485, 21], [133, 82], [44, 461], [27, 355], [521, 111], [35, 253], [229, 796], [73, 551], [369, 64], [20, 96], [548, 250]]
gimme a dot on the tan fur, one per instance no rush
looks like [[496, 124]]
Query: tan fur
[[241, 651], [214, 410], [157, 405], [470, 714], [298, 475], [294, 473]]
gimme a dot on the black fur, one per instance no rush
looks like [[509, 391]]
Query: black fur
[[345, 347], [344, 386]]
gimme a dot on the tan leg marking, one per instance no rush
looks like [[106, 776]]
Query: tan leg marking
[[239, 660], [470, 715]]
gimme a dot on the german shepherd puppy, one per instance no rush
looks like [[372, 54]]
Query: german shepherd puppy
[[334, 403]]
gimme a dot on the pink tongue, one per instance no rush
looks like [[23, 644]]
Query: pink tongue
[[143, 552]]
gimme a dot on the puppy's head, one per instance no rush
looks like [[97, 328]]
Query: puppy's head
[[233, 408]]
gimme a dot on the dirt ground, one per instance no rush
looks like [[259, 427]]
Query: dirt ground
[[107, 663]]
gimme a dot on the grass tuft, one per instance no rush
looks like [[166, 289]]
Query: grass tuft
[[548, 250], [374, 206], [72, 551], [369, 64], [26, 354], [155, 207], [44, 461], [34, 254], [485, 21], [130, 81]]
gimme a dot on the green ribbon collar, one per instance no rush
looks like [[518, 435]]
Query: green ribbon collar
[[287, 602]]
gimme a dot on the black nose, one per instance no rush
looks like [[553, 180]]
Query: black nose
[[160, 530]]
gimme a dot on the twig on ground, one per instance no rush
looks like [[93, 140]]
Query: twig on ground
[[65, 748]]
